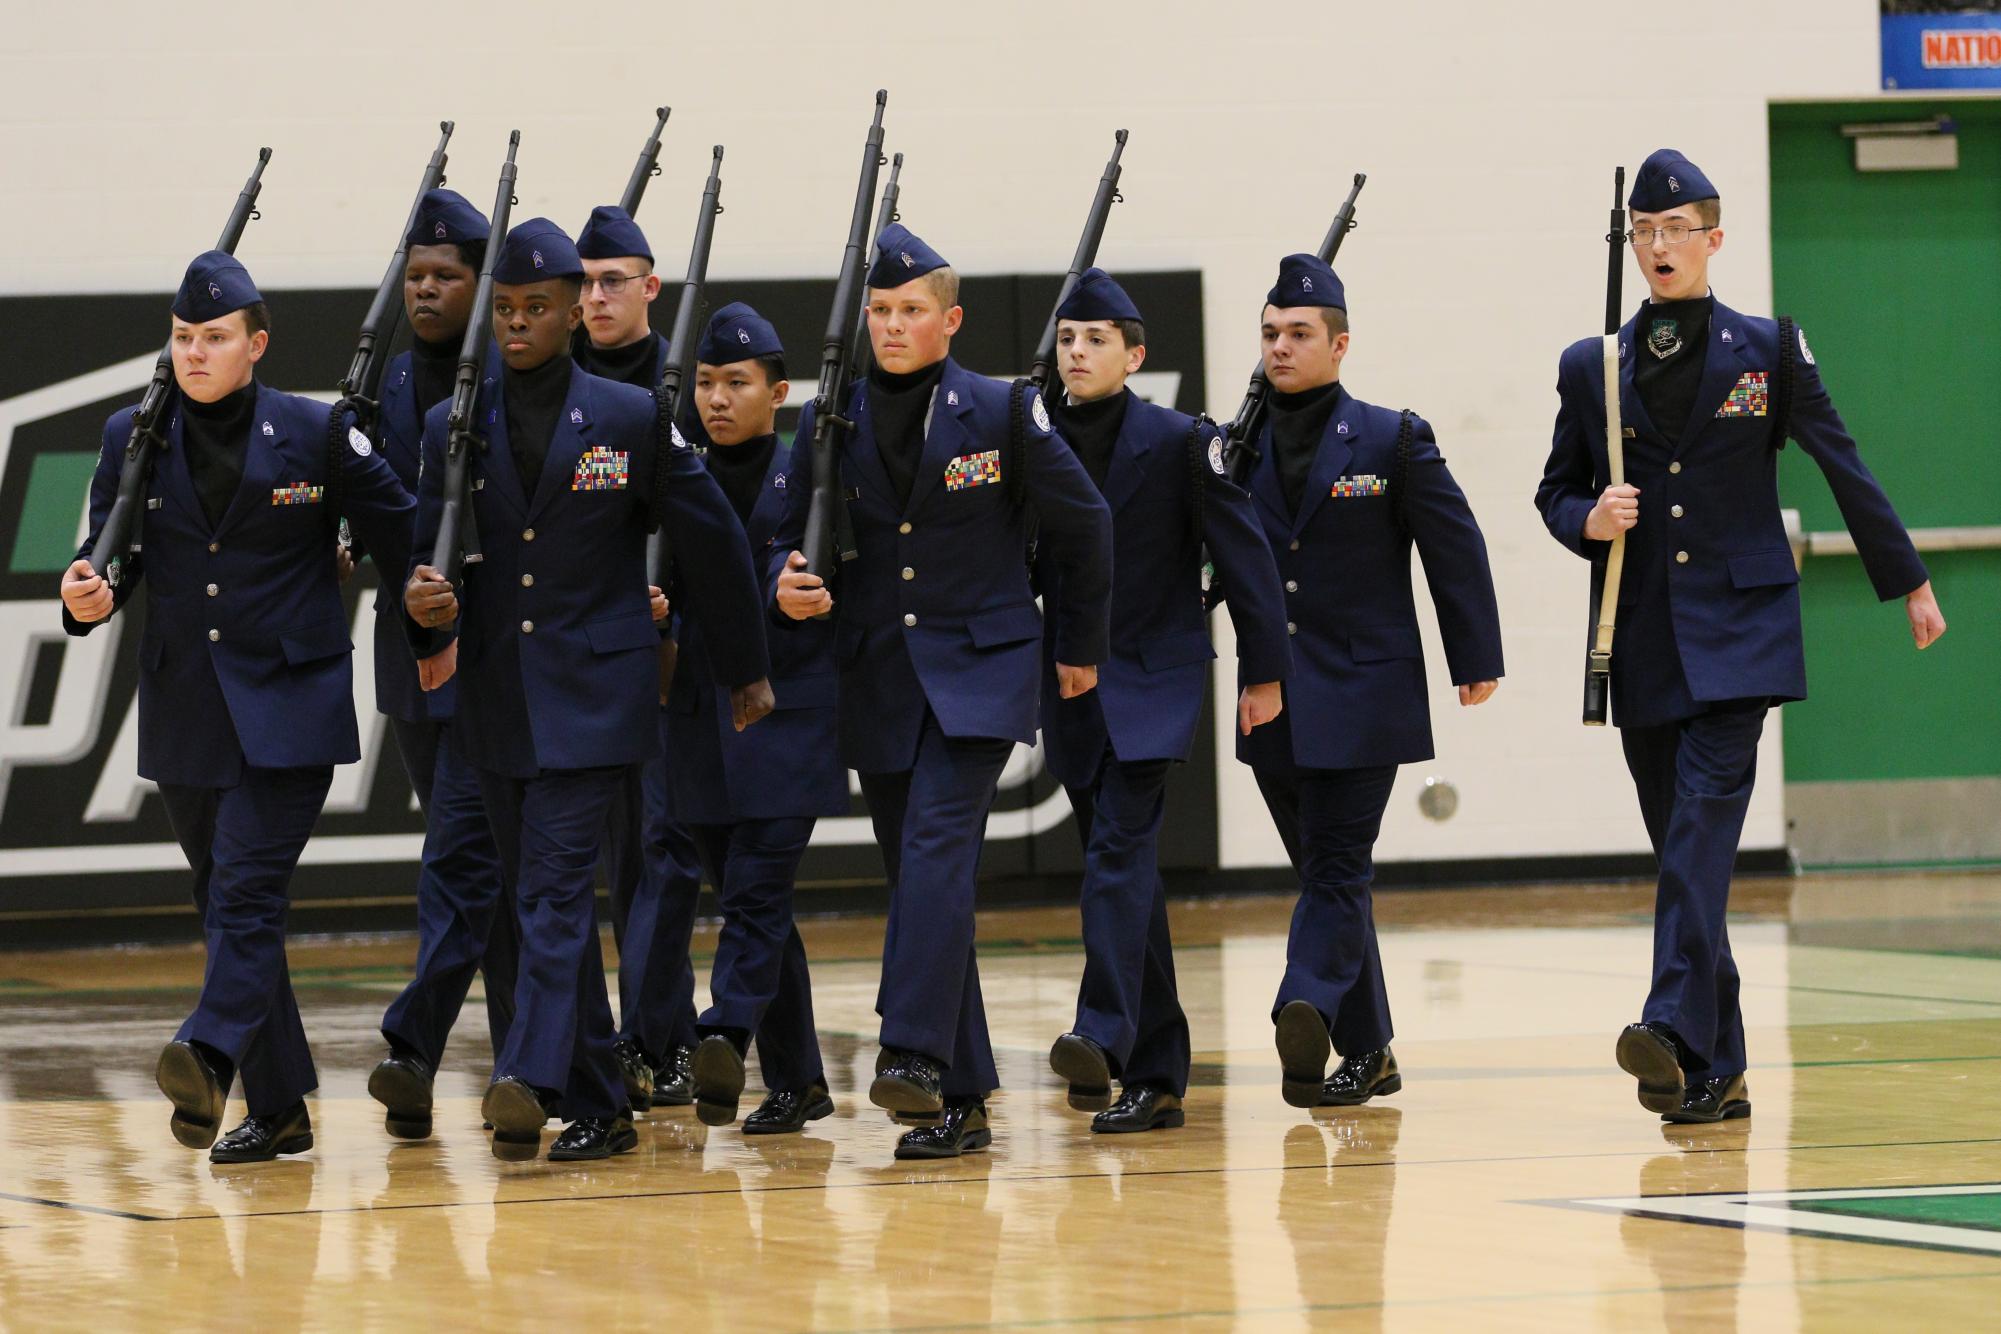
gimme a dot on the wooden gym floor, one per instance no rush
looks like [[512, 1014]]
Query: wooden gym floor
[[1513, 1183]]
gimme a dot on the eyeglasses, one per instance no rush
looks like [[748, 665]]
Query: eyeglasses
[[1674, 233], [612, 283]]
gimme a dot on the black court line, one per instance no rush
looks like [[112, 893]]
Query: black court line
[[99, 1210]]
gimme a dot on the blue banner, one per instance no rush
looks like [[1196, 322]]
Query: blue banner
[[1948, 50]]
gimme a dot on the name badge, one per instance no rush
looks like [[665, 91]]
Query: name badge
[[601, 469], [970, 470]]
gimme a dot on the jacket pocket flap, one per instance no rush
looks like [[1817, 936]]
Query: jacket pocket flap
[[1007, 625], [817, 691], [620, 634], [1760, 569], [310, 643], [1385, 643], [1176, 650]]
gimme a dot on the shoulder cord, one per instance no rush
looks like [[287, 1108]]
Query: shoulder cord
[[1782, 400], [1400, 468]]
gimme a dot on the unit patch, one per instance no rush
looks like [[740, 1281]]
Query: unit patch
[[1216, 455], [1749, 397], [358, 442], [1041, 414], [969, 470], [298, 493], [600, 469], [1359, 487]]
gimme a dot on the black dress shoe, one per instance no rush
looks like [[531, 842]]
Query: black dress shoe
[[718, 1077], [962, 1129], [635, 1074], [1140, 1107], [589, 1138], [1651, 1054], [1082, 1062], [261, 1138], [515, 1110], [1724, 1098], [786, 1111], [1303, 1049], [1360, 1078], [908, 1084], [402, 1084], [674, 1079], [196, 1088]]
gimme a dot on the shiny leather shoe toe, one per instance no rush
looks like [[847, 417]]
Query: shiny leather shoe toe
[[402, 1084], [1725, 1098], [907, 1084], [786, 1111], [1083, 1063], [962, 1129], [261, 1138], [589, 1138], [1360, 1078], [674, 1079], [1303, 1048], [718, 1078], [635, 1074], [1651, 1055], [196, 1088], [1140, 1107]]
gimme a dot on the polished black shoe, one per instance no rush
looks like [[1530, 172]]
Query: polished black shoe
[[1724, 1098], [635, 1074], [786, 1111], [674, 1078], [718, 1076], [1082, 1062], [515, 1110], [908, 1084], [589, 1138], [962, 1129], [1303, 1049], [1360, 1078], [196, 1088], [1651, 1054], [402, 1084], [1140, 1107], [261, 1138]]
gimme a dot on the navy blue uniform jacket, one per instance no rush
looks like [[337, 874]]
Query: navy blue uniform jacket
[[557, 647], [246, 655], [1709, 599], [936, 610], [1150, 689], [400, 437], [1357, 692]]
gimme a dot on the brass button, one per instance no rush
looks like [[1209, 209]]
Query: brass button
[[903, 528], [1292, 585], [528, 627], [1293, 545], [527, 534], [1675, 510], [1291, 628], [214, 547], [1681, 558], [213, 590], [528, 581], [909, 573], [910, 618], [1675, 466], [215, 636]]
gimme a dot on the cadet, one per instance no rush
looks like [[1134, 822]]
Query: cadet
[[652, 865], [465, 917], [559, 644], [750, 799], [938, 638], [1708, 634], [1343, 489], [246, 682], [1111, 749]]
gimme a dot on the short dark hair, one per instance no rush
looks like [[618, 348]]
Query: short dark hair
[[1709, 212], [256, 318], [774, 367], [1133, 332], [1336, 320], [471, 253]]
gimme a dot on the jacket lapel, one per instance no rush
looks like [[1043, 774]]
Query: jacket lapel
[[1128, 470], [174, 465], [1631, 411], [945, 433], [1722, 364], [1265, 484], [566, 445], [263, 460], [769, 507], [495, 465], [1330, 459], [861, 450]]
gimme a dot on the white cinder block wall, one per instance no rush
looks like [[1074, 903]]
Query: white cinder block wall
[[1488, 132]]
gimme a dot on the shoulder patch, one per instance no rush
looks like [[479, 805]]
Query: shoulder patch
[[1041, 415], [358, 442], [1216, 455], [1805, 354], [680, 441]]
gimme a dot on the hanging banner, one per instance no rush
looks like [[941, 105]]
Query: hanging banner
[[1930, 45]]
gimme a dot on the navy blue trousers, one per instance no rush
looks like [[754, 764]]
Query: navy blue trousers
[[760, 984], [931, 821], [1329, 819], [1694, 779], [465, 914], [655, 874], [547, 828], [1127, 1002], [243, 843]]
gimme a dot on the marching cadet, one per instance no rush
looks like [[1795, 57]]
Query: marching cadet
[[560, 689], [246, 684], [938, 637], [465, 918], [1708, 630], [1343, 489], [1162, 478], [651, 863], [750, 799]]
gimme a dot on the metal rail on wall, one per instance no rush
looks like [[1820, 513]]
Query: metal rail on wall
[[1971, 537]]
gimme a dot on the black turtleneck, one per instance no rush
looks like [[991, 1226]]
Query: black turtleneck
[[739, 470], [631, 364], [897, 405], [1092, 430], [217, 436], [1297, 423], [1668, 385], [433, 367], [534, 404]]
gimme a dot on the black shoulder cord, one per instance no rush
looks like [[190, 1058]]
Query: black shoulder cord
[[1782, 398], [1198, 472], [663, 441], [335, 488], [1013, 473], [1400, 468]]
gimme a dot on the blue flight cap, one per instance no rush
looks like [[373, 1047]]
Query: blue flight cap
[[444, 217], [537, 249], [214, 285], [737, 333], [1306, 280], [1097, 296], [901, 256], [611, 233], [1666, 179]]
